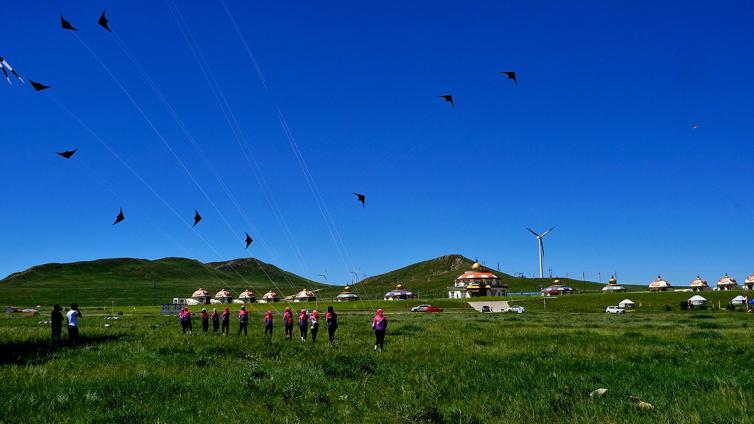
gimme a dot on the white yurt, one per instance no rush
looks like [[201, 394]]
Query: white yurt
[[613, 286], [738, 300], [727, 283], [627, 304], [200, 296], [749, 282], [305, 295], [659, 285], [699, 284], [246, 296], [270, 296], [224, 296], [697, 300], [347, 295]]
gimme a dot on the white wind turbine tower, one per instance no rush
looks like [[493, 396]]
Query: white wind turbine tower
[[541, 247]]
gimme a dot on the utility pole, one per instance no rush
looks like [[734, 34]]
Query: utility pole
[[599, 274]]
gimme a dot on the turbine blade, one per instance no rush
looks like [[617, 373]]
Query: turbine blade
[[532, 231], [547, 232]]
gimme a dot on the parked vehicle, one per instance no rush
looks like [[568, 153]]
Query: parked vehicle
[[486, 308], [426, 308], [615, 310], [516, 309]]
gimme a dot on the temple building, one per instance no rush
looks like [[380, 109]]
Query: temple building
[[557, 289], [305, 296], [727, 283], [613, 287], [346, 295], [399, 293], [201, 296], [698, 284], [749, 282], [246, 296], [659, 285], [477, 282], [270, 296]]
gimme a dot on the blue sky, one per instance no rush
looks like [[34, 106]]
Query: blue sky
[[596, 140]]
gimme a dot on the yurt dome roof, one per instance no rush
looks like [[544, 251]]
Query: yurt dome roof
[[200, 292], [246, 294], [726, 280], [223, 293], [659, 283], [698, 282]]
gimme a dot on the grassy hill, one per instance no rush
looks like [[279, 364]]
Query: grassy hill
[[144, 282], [430, 279]]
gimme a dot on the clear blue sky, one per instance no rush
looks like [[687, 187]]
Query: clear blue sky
[[596, 140]]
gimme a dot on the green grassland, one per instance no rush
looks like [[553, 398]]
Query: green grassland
[[458, 366]]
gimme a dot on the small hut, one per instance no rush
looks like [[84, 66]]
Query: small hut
[[613, 287], [738, 300], [224, 296], [627, 304], [557, 289], [270, 296], [305, 296], [399, 293], [659, 285], [698, 284], [477, 282], [201, 296], [727, 283], [346, 295], [697, 300], [246, 296], [749, 282]]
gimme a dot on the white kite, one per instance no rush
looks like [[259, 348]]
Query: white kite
[[5, 65]]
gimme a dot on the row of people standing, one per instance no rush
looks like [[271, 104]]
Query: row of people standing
[[305, 322]]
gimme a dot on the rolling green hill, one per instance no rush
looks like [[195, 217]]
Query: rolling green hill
[[145, 282], [430, 279]]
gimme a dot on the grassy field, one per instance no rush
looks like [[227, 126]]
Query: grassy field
[[456, 367]]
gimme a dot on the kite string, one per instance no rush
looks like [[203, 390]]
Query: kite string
[[235, 127], [173, 113], [321, 203], [167, 145]]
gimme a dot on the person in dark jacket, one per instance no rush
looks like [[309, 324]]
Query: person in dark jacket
[[204, 316], [268, 324], [215, 321], [288, 321], [379, 325], [303, 324], [243, 321], [331, 318], [226, 321], [56, 323]]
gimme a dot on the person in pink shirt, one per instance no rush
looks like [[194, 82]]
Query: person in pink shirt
[[268, 324], [185, 318], [314, 320], [379, 325], [288, 321], [303, 324], [243, 321]]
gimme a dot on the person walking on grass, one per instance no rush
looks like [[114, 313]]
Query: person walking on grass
[[73, 323], [226, 321], [185, 318], [288, 321], [56, 322], [215, 321], [303, 324], [315, 325], [379, 325], [204, 316], [331, 318], [268, 324], [243, 321]]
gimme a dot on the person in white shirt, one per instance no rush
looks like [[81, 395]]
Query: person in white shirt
[[73, 324]]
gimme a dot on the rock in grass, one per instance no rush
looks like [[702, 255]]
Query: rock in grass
[[645, 406], [598, 393]]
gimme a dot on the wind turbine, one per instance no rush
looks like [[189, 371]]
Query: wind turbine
[[324, 275], [541, 247]]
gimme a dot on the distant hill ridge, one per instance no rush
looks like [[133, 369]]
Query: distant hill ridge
[[129, 281]]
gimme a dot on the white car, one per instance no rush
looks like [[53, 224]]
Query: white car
[[615, 310], [516, 309]]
